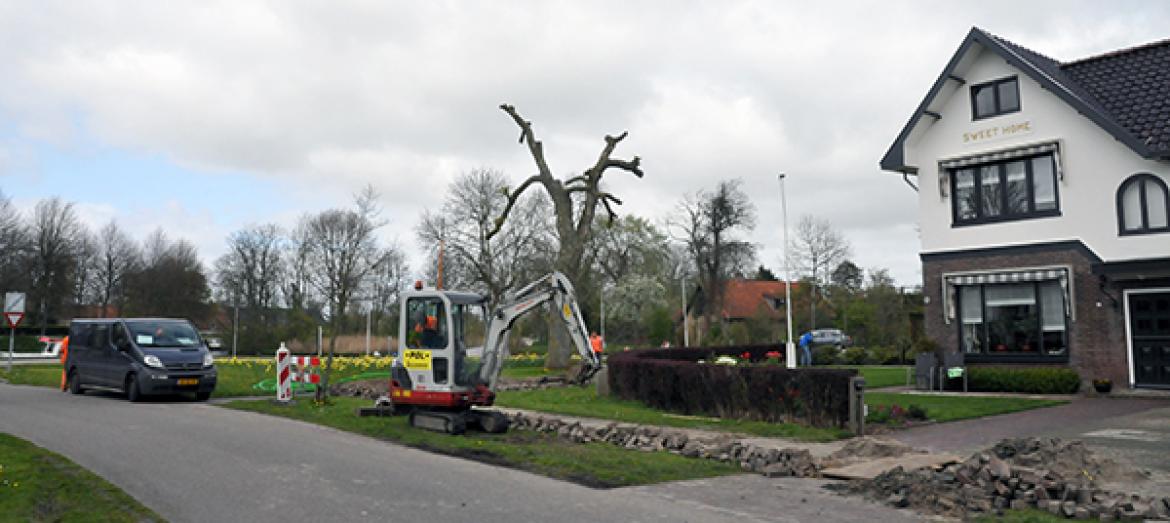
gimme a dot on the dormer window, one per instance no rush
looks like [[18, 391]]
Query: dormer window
[[995, 98], [1143, 205]]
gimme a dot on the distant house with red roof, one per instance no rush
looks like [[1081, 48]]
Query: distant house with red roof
[[747, 299]]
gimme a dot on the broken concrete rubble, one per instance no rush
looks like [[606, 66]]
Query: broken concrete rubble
[[1061, 477], [727, 448]]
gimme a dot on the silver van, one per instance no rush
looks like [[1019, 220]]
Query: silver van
[[139, 357]]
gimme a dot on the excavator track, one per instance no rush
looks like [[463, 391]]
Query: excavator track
[[438, 421]]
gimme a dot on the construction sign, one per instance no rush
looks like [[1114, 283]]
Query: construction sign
[[416, 359]]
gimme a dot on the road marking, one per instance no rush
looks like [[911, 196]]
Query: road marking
[[1129, 434]]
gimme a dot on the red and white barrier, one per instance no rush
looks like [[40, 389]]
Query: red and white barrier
[[308, 369], [283, 385]]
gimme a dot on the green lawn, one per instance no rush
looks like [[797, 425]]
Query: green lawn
[[39, 485], [594, 464], [41, 374], [528, 372], [953, 408], [584, 402]]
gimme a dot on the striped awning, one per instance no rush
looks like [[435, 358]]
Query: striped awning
[[1020, 276], [945, 166]]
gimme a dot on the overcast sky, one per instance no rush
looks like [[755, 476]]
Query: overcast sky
[[204, 117]]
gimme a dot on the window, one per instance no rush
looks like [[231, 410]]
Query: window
[[1007, 190], [1143, 205], [1013, 320], [995, 98]]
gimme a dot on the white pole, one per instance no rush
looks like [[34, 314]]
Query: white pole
[[318, 341], [682, 285], [11, 346], [603, 317], [368, 314], [790, 347]]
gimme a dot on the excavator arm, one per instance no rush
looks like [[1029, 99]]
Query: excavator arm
[[555, 288]]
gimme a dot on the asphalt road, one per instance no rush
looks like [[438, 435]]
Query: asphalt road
[[198, 462]]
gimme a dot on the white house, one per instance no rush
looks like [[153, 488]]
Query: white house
[[1043, 208]]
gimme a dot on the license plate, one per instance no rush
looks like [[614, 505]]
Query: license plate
[[188, 381]]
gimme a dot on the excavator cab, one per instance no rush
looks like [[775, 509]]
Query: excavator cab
[[439, 329]]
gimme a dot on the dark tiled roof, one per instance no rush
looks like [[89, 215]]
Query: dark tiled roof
[[1125, 92], [1133, 86]]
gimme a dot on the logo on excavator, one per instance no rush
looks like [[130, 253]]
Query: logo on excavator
[[567, 312], [414, 359]]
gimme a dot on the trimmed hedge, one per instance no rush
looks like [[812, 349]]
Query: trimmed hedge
[[673, 380], [1039, 380]]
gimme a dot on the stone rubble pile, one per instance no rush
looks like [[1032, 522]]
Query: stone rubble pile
[[770, 462], [1060, 477], [544, 382]]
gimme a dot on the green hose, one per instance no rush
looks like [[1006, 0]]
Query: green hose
[[269, 384]]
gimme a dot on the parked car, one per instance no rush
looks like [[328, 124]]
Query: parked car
[[139, 357], [832, 337]]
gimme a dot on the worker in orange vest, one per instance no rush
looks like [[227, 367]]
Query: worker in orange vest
[[597, 343], [64, 354]]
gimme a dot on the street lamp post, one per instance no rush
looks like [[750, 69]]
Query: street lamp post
[[682, 283], [790, 347]]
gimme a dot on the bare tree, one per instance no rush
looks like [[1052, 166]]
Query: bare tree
[[817, 249], [169, 282], [116, 256], [14, 245], [492, 264], [251, 269], [386, 284], [341, 252], [53, 234], [707, 222], [84, 255], [575, 201]]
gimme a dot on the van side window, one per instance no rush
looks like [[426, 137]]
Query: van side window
[[99, 336], [120, 339], [80, 334]]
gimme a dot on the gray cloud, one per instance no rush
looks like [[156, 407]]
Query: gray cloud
[[327, 97]]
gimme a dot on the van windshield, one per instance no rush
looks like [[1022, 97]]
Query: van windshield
[[163, 334]]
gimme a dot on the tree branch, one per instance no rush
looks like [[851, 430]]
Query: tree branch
[[515, 195]]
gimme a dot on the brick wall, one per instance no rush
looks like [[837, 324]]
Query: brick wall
[[1097, 344]]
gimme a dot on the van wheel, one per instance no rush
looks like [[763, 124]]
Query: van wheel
[[75, 383], [132, 392]]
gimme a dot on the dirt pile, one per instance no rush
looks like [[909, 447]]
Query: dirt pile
[[368, 389], [1061, 477], [865, 448]]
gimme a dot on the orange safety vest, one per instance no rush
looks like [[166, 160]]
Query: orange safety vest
[[64, 354], [595, 341]]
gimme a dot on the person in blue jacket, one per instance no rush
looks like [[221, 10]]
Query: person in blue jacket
[[806, 349]]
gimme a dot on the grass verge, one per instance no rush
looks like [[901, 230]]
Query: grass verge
[[592, 464], [1022, 516], [953, 408], [39, 485], [584, 402], [877, 377]]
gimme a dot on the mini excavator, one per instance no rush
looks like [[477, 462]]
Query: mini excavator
[[436, 383]]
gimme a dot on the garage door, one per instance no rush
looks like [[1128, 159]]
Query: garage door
[[1149, 323]]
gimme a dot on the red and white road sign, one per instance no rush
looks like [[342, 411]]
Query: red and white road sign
[[13, 318]]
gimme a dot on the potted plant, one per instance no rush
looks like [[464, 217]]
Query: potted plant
[[1103, 385]]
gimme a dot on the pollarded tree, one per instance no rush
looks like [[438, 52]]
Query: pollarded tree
[[575, 201]]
